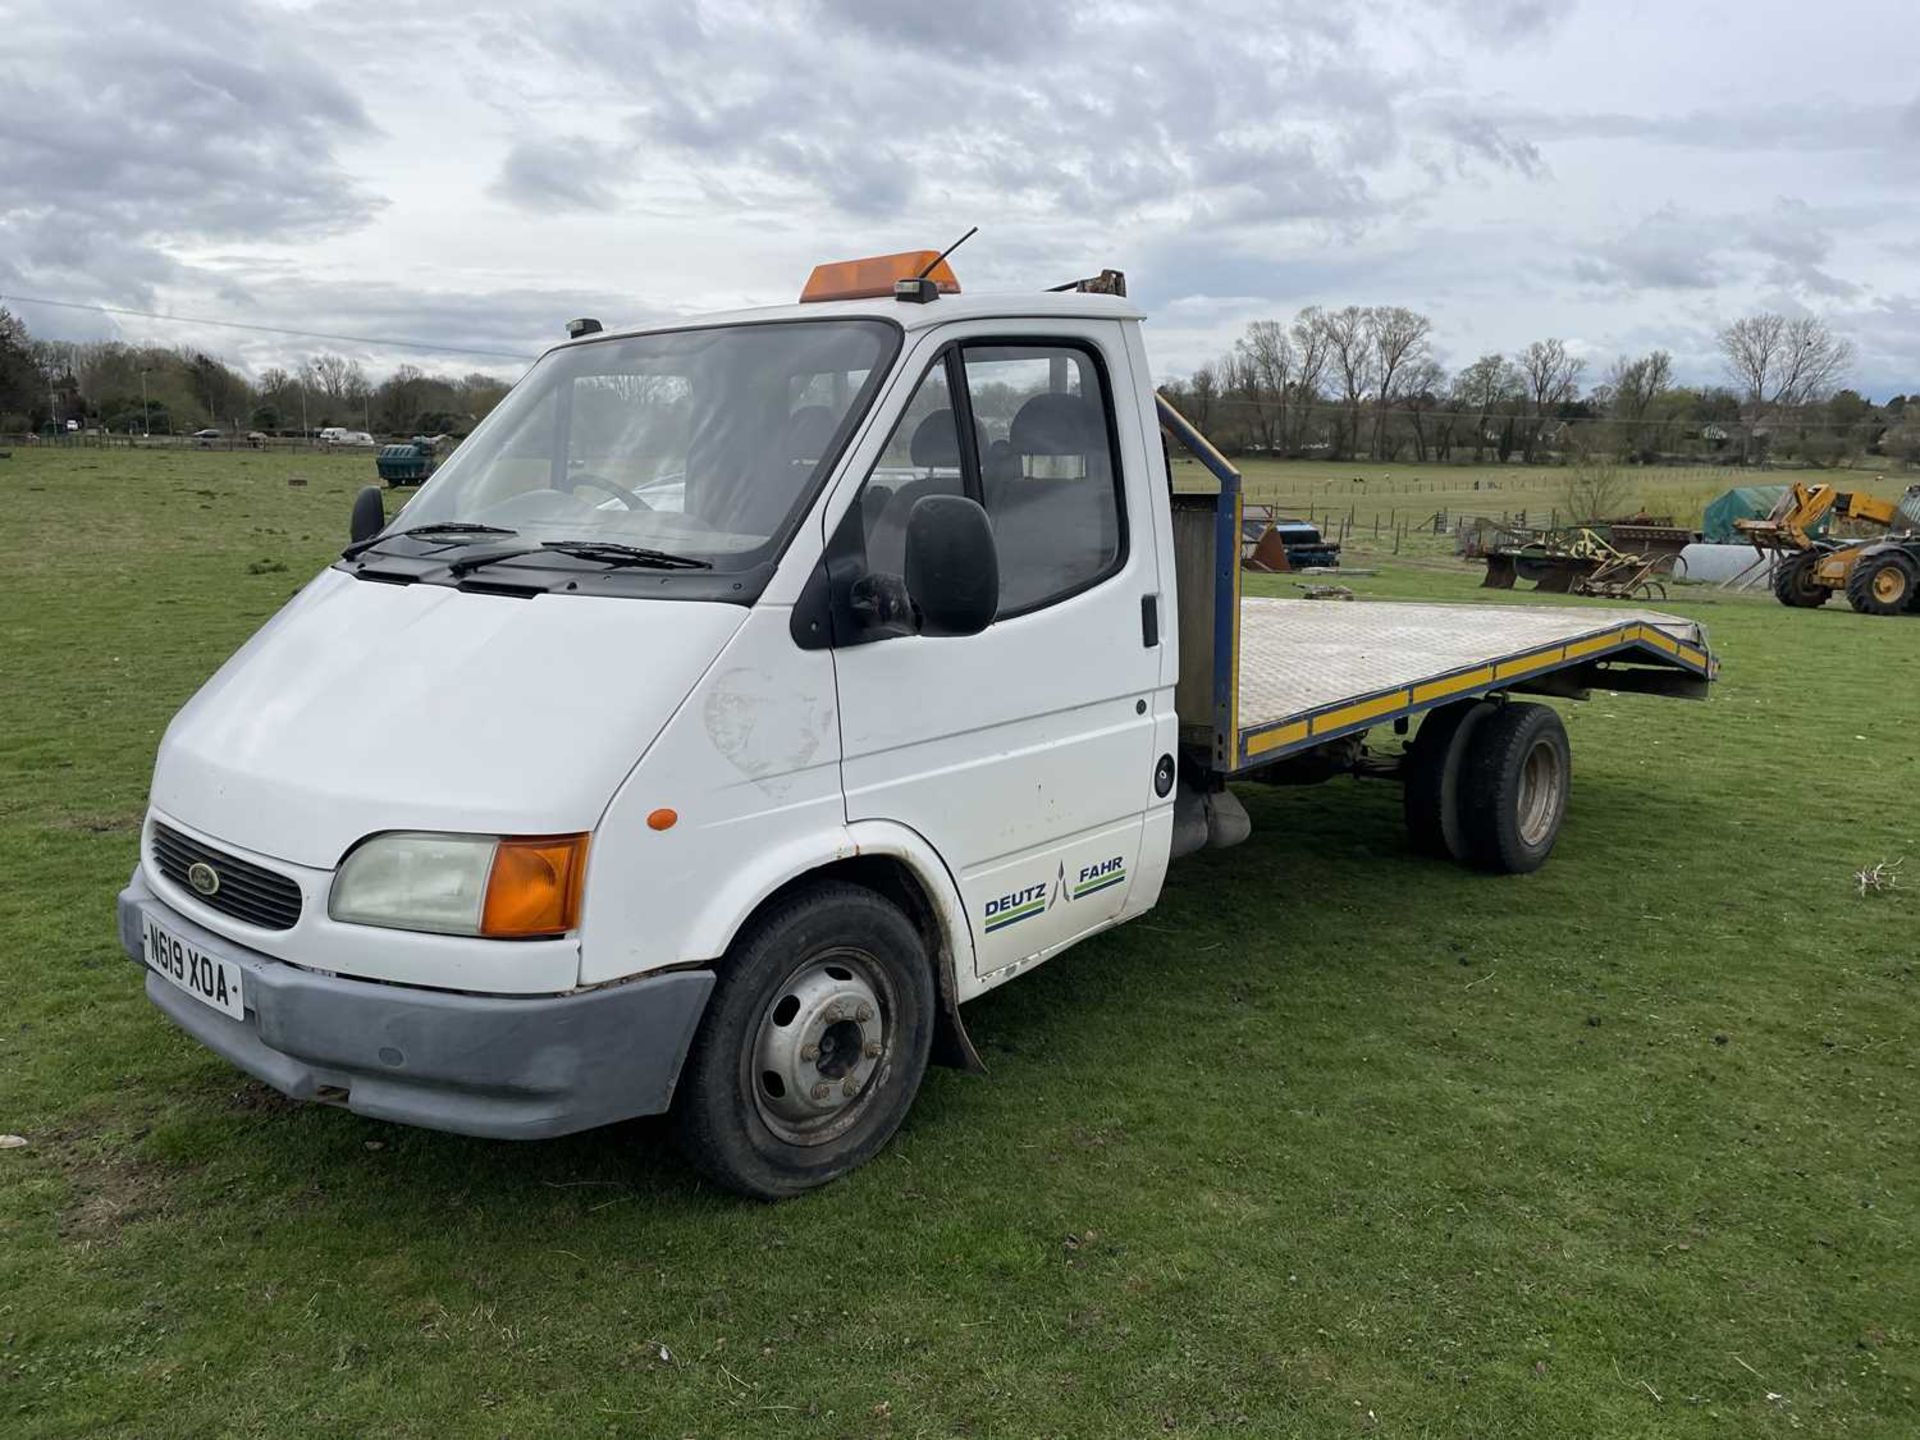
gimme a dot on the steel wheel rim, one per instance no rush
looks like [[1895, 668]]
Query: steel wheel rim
[[1889, 585], [820, 1052], [1542, 784]]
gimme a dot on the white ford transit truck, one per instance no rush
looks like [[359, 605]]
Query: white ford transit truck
[[784, 680]]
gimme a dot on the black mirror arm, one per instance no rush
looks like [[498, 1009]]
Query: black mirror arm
[[881, 602]]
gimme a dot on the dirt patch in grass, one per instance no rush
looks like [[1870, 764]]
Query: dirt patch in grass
[[107, 1190], [254, 1098]]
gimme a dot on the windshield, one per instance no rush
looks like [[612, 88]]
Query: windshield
[[704, 443]]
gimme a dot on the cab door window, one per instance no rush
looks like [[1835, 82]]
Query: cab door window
[[1049, 479], [922, 457]]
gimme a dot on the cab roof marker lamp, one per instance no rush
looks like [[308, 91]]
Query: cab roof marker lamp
[[877, 276], [507, 888]]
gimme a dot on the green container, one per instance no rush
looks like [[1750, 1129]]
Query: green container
[[407, 463]]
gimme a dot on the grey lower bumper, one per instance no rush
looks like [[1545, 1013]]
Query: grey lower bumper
[[516, 1068]]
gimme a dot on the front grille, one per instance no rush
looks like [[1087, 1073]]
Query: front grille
[[247, 891]]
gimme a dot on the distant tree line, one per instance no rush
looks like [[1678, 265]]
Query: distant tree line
[[138, 389], [1362, 383]]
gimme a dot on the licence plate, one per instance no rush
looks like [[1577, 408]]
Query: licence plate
[[207, 978]]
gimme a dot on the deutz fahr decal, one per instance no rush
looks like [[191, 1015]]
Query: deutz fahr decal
[[1032, 900]]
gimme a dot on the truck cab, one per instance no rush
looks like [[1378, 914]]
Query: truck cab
[[789, 678]]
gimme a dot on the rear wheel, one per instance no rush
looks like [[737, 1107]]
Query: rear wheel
[[1513, 788], [1794, 583], [812, 1047], [1882, 584], [1430, 795]]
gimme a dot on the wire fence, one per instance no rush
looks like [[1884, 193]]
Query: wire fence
[[105, 440]]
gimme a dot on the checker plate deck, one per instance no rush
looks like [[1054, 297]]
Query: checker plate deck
[[1313, 669]]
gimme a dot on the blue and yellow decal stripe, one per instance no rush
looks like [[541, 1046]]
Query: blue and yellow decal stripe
[[1102, 882], [1013, 917]]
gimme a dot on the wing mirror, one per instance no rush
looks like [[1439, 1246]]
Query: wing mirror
[[369, 515], [953, 569]]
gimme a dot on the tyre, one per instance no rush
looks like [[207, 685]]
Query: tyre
[[1793, 582], [812, 1047], [1513, 788], [1430, 793], [1882, 584]]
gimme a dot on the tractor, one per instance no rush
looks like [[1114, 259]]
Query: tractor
[[1880, 575]]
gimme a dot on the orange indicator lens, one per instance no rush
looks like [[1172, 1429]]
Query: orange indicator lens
[[534, 887]]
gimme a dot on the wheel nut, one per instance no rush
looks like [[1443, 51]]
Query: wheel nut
[[852, 1087], [873, 1049], [864, 1014], [822, 1090], [809, 1052]]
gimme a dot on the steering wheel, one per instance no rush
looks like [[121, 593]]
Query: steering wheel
[[598, 482]]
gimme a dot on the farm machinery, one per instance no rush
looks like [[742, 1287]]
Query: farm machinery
[[1879, 574], [1617, 560]]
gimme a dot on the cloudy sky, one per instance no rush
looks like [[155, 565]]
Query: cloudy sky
[[1620, 173]]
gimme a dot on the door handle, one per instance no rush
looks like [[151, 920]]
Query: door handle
[[1150, 620]]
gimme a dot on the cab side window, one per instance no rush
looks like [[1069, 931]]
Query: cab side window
[[922, 458], [1049, 479]]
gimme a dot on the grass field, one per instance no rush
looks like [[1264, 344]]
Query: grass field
[[1390, 495], [1336, 1142]]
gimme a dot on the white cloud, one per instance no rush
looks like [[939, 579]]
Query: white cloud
[[1612, 173]]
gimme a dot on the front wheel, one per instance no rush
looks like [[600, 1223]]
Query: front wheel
[[1882, 585], [812, 1047], [1794, 583]]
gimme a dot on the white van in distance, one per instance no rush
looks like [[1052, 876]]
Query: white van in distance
[[786, 679]]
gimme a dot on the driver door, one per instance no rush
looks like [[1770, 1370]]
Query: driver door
[[1025, 753]]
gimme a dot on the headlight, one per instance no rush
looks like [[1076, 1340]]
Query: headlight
[[462, 884]]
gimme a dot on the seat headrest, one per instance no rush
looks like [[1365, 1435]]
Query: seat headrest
[[809, 432], [1054, 424], [936, 442]]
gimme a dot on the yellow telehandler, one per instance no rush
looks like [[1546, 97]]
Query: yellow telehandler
[[1879, 574]]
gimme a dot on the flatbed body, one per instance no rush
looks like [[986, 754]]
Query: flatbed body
[[1263, 678], [1310, 671]]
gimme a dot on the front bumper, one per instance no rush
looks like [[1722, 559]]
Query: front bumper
[[506, 1067]]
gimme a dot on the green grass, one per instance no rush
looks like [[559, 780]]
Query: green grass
[[1335, 1142]]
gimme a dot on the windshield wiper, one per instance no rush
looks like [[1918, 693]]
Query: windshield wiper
[[427, 532], [613, 552], [608, 552]]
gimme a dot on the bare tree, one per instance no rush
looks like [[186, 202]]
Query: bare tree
[[1480, 390], [1552, 376], [1309, 335], [403, 396], [340, 382], [1594, 492], [1778, 364], [1632, 390], [1204, 387], [1398, 338], [1266, 357], [1422, 384], [1350, 356]]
